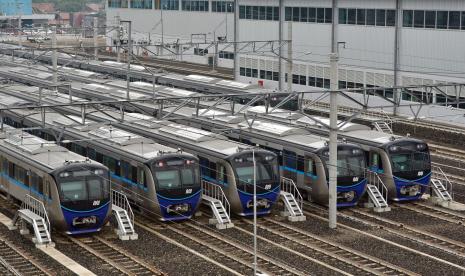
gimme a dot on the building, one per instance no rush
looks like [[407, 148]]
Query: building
[[15, 7], [382, 43]]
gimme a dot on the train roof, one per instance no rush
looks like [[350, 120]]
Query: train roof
[[194, 138], [29, 148]]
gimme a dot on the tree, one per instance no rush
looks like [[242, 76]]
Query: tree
[[67, 5]]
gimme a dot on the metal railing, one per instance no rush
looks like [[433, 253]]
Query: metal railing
[[215, 191], [288, 185], [374, 179], [37, 207], [120, 199], [438, 173]]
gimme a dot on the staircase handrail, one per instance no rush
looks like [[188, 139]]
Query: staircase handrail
[[288, 185], [215, 191], [374, 179], [121, 200], [37, 207], [438, 170], [388, 118]]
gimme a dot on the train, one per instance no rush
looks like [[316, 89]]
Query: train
[[399, 183], [223, 162], [160, 181], [74, 190]]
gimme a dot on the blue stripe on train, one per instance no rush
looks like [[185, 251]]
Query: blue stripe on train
[[192, 200], [422, 181], [271, 196], [100, 213]]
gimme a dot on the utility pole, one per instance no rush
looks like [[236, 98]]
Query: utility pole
[[95, 38], [118, 41], [255, 264], [280, 29], [54, 55], [162, 31], [334, 60], [236, 38], [396, 55], [289, 57], [128, 77]]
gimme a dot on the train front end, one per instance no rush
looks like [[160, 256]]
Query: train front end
[[84, 192], [410, 167], [351, 177], [267, 180], [177, 182]]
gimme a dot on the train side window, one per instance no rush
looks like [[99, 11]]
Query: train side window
[[133, 174], [125, 170], [91, 153], [11, 170], [375, 160], [222, 176], [142, 178], [310, 164], [112, 164], [290, 159], [99, 157], [300, 163]]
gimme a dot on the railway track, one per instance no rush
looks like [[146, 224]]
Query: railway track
[[15, 262], [321, 213], [418, 235], [116, 256], [435, 212], [223, 252], [330, 253]]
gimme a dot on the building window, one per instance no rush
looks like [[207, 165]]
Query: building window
[[380, 17], [194, 5], [371, 17], [454, 20], [408, 18], [304, 14], [259, 13], [419, 19], [167, 5], [226, 55], [368, 17], [430, 19], [141, 4], [222, 6], [117, 3], [442, 18], [361, 17], [200, 51]]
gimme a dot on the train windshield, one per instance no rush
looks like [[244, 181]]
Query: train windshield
[[350, 162], [267, 174], [176, 174], [409, 157], [85, 185]]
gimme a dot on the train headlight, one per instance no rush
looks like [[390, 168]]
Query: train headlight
[[64, 174], [269, 157], [350, 196], [99, 172], [393, 148], [403, 190], [178, 208], [421, 146]]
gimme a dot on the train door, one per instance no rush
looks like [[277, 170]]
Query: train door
[[289, 165], [375, 163], [309, 171]]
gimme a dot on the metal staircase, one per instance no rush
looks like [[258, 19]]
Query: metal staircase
[[377, 193], [124, 216], [382, 126], [213, 196], [33, 211], [292, 200], [441, 184]]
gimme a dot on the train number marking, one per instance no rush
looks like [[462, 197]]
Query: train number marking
[[420, 173], [188, 191], [96, 203], [267, 186]]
